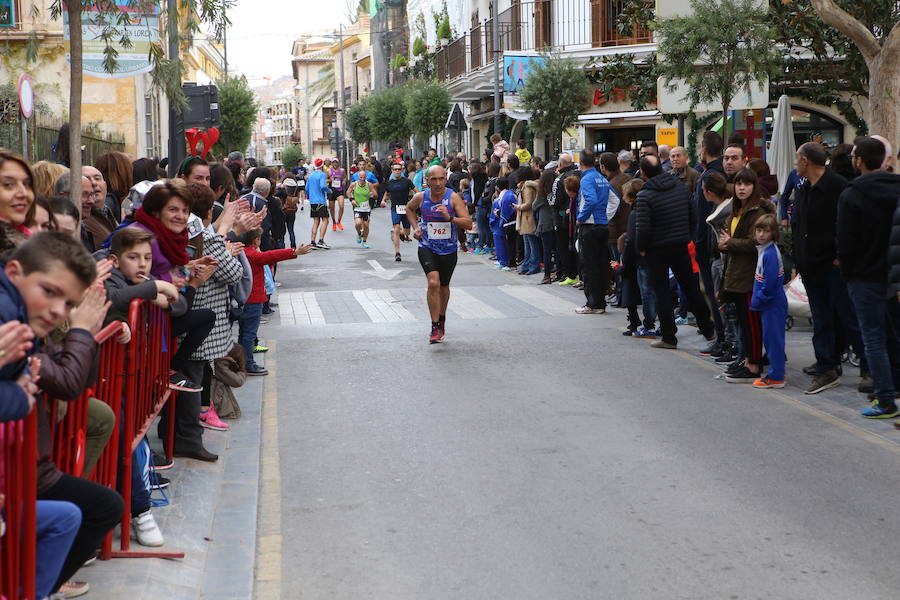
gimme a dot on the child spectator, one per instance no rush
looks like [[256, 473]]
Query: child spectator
[[230, 372], [465, 190], [769, 299], [45, 278], [636, 288], [250, 317], [522, 153], [572, 186]]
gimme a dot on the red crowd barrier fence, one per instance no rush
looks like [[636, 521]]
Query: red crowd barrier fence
[[18, 484]]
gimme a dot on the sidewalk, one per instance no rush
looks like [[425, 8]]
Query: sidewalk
[[211, 518], [842, 403]]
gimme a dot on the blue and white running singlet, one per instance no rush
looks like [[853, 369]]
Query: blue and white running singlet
[[438, 235]]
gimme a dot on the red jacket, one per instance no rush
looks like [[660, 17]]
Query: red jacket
[[257, 260]]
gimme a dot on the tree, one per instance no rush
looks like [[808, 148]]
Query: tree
[[555, 93], [427, 108], [356, 120], [879, 44], [291, 154], [238, 107], [323, 88], [387, 115], [724, 47]]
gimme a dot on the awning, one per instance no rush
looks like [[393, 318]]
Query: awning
[[604, 118], [519, 115]]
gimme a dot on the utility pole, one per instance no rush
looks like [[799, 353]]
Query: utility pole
[[342, 142], [176, 135], [309, 138], [225, 49], [495, 37]]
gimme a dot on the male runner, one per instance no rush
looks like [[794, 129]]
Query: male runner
[[399, 190], [360, 191], [300, 173], [337, 179], [440, 211], [317, 188]]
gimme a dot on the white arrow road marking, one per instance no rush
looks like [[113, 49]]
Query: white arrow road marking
[[381, 272]]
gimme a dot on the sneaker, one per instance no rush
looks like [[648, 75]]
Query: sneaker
[[811, 370], [210, 420], [366, 245], [764, 383], [629, 332], [90, 561], [146, 530], [579, 285], [256, 370], [74, 589], [587, 310], [436, 334], [359, 239], [508, 269], [568, 281], [734, 367], [866, 385], [742, 375], [681, 321], [340, 227], [179, 382], [728, 356], [158, 482], [260, 349], [645, 333], [161, 463], [714, 350], [397, 257], [823, 382], [323, 245], [313, 245], [664, 345], [877, 412], [334, 226]]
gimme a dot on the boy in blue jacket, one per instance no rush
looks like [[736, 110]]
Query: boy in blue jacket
[[769, 299]]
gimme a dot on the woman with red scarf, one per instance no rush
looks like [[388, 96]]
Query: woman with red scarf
[[16, 199], [164, 213]]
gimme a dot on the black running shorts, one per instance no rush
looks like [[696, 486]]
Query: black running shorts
[[444, 264], [318, 211]]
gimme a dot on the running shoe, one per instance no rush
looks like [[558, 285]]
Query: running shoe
[[765, 383], [334, 227], [568, 281], [359, 239], [714, 350], [397, 257], [210, 420], [508, 268], [822, 382], [340, 227], [436, 334], [742, 375], [587, 310], [160, 462], [323, 245], [645, 333], [366, 245], [681, 321], [629, 332], [877, 412], [179, 382], [260, 349]]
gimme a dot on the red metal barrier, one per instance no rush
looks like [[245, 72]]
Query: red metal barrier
[[18, 483], [146, 392]]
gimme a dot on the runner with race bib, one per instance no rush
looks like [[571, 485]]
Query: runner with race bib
[[337, 182], [436, 230], [360, 191], [399, 190]]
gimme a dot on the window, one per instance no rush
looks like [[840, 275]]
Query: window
[[8, 13]]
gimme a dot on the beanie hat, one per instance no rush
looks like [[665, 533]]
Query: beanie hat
[[318, 163]]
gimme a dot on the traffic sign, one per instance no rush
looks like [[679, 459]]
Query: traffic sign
[[26, 96]]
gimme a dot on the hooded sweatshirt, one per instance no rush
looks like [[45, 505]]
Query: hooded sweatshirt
[[865, 214], [665, 214]]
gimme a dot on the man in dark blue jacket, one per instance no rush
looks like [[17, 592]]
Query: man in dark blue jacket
[[596, 201]]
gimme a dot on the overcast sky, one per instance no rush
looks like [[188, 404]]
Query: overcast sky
[[262, 31]]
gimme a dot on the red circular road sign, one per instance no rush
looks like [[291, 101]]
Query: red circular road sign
[[26, 96]]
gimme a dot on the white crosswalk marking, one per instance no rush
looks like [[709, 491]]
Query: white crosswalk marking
[[300, 308], [381, 306], [466, 306], [545, 301]]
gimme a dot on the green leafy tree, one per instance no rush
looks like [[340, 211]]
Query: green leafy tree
[[291, 154], [427, 107], [357, 121], [724, 47], [324, 87], [555, 93], [238, 107], [387, 115]]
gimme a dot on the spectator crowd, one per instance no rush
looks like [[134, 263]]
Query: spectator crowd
[[710, 245]]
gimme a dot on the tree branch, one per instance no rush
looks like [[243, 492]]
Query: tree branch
[[838, 18]]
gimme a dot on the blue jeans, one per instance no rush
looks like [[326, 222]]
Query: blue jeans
[[532, 262], [548, 245], [289, 219], [485, 235], [57, 524], [648, 298], [878, 335], [248, 326], [829, 301]]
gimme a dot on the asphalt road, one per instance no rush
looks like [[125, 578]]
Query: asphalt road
[[539, 454]]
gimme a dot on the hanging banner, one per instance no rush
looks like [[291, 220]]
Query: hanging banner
[[141, 27]]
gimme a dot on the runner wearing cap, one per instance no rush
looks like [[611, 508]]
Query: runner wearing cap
[[317, 190], [440, 211], [399, 191], [337, 180]]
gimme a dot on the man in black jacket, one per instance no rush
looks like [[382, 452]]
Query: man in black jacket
[[711, 153], [814, 224], [865, 209], [565, 239], [665, 220]]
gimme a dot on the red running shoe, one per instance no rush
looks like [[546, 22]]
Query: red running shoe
[[437, 334]]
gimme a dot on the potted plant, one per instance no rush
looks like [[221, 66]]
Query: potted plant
[[444, 32], [419, 47]]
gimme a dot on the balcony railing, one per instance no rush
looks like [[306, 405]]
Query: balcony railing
[[538, 25]]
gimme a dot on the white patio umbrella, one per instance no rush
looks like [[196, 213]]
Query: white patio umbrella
[[782, 151]]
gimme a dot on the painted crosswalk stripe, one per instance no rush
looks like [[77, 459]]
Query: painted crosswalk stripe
[[466, 306], [300, 308], [544, 301], [381, 306]]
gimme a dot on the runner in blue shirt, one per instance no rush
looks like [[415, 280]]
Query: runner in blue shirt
[[440, 211]]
